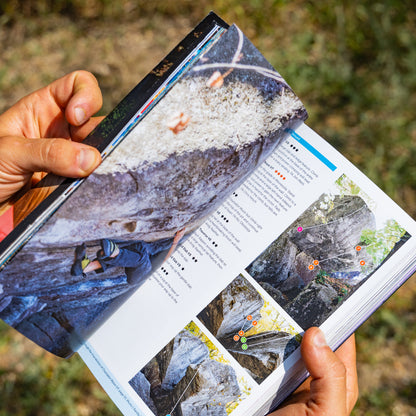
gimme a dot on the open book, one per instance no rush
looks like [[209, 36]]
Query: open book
[[218, 228]]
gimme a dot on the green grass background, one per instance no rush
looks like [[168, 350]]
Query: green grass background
[[353, 64]]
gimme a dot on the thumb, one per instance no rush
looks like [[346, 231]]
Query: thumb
[[20, 156], [328, 385]]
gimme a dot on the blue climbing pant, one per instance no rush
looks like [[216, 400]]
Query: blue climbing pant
[[135, 257]]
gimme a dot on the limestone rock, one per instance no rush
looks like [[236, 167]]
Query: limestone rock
[[310, 294], [142, 387], [187, 351], [184, 380], [157, 182], [265, 352], [227, 313]]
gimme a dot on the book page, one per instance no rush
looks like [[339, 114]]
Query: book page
[[220, 118], [306, 240]]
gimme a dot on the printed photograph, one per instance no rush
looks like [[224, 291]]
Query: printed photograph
[[250, 328], [327, 253], [190, 377], [216, 124]]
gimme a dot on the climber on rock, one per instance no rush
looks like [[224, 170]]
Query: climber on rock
[[134, 256]]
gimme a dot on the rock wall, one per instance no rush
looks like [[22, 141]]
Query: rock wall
[[309, 295], [185, 381], [175, 167], [265, 352], [227, 314]]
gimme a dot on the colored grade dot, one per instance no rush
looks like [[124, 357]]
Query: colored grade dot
[[249, 318], [254, 323], [244, 340], [358, 248], [311, 267], [244, 346], [300, 229], [241, 333], [362, 262], [236, 338], [315, 262]]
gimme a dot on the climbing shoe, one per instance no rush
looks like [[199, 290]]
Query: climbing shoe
[[81, 260], [108, 247]]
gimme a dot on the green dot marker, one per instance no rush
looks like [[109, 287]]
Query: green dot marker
[[244, 346], [243, 340]]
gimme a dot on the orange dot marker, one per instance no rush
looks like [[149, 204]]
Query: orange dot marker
[[241, 333], [254, 323], [362, 262], [315, 262], [236, 338], [358, 248], [249, 317], [311, 267]]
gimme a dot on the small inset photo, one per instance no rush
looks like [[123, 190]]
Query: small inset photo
[[250, 328], [190, 377], [327, 253]]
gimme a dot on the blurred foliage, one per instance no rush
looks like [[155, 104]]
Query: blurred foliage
[[352, 64], [379, 243], [35, 382]]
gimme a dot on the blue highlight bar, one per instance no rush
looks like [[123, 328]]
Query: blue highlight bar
[[315, 152]]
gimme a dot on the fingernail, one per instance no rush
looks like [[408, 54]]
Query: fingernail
[[319, 340], [80, 115], [87, 159]]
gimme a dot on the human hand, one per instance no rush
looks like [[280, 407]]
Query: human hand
[[332, 388], [42, 133]]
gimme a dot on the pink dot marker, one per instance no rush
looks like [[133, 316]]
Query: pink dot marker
[[300, 229]]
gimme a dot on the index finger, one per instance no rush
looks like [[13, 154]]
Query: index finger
[[80, 95]]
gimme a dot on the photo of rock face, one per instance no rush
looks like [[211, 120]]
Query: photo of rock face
[[326, 254], [254, 332], [190, 377], [198, 144]]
